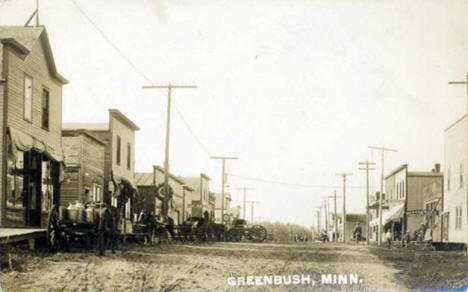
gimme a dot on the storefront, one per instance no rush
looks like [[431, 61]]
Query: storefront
[[391, 220], [32, 179]]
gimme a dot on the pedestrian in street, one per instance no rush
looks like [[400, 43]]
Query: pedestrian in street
[[357, 232], [388, 238], [405, 239]]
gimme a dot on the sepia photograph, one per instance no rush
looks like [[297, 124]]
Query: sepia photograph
[[249, 145]]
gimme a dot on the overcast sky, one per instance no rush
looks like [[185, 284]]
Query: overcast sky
[[296, 89]]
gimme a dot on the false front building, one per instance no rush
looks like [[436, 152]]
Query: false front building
[[455, 217], [31, 125], [412, 198], [179, 209], [202, 201], [118, 136]]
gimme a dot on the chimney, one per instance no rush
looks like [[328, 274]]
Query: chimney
[[437, 167]]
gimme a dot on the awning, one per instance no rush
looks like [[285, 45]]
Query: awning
[[394, 213], [25, 142], [127, 188]]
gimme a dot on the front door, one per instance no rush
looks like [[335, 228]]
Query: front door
[[32, 188]]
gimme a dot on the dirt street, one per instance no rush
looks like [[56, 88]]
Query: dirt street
[[204, 267]]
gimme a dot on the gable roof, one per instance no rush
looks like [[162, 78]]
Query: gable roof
[[24, 38]]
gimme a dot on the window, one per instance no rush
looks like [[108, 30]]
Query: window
[[119, 142], [458, 217], [403, 189], [45, 109], [28, 87], [461, 175], [448, 179], [129, 155], [97, 193]]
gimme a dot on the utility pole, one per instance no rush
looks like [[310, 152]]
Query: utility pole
[[383, 150], [223, 179], [244, 202], [344, 175], [367, 167], [318, 223], [325, 205], [335, 220], [464, 83], [252, 210], [169, 88]]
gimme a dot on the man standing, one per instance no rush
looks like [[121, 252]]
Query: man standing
[[357, 232]]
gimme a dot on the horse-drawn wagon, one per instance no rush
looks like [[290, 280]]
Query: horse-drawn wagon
[[241, 229]]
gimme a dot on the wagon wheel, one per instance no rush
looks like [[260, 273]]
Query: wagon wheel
[[53, 229], [258, 233]]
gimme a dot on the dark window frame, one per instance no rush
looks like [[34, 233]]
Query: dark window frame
[[45, 111], [129, 155], [118, 150]]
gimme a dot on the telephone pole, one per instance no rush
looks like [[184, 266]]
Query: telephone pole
[[223, 179], [463, 83], [335, 220], [169, 88], [325, 205], [344, 175], [367, 167], [383, 150], [245, 189], [252, 210]]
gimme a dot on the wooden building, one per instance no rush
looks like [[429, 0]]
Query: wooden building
[[412, 198], [455, 216], [200, 195], [31, 124], [182, 193], [118, 136], [84, 167], [219, 206]]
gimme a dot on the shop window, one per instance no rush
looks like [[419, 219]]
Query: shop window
[[458, 217], [97, 190], [14, 187], [28, 92], [47, 188]]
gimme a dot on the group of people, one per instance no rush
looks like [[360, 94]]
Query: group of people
[[423, 234], [301, 238]]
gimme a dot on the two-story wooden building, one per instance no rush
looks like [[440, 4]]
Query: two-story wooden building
[[200, 195], [84, 167], [412, 198], [118, 135], [31, 125]]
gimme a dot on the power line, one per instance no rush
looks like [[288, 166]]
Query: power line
[[135, 67], [191, 131], [101, 32], [292, 184]]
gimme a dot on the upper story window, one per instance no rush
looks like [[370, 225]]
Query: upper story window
[[448, 179], [118, 148], [129, 155], [45, 108], [28, 88], [461, 176]]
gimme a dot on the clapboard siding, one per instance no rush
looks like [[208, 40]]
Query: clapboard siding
[[84, 157], [2, 135], [36, 66]]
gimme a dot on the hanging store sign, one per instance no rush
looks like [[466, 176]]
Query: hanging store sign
[[416, 213]]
